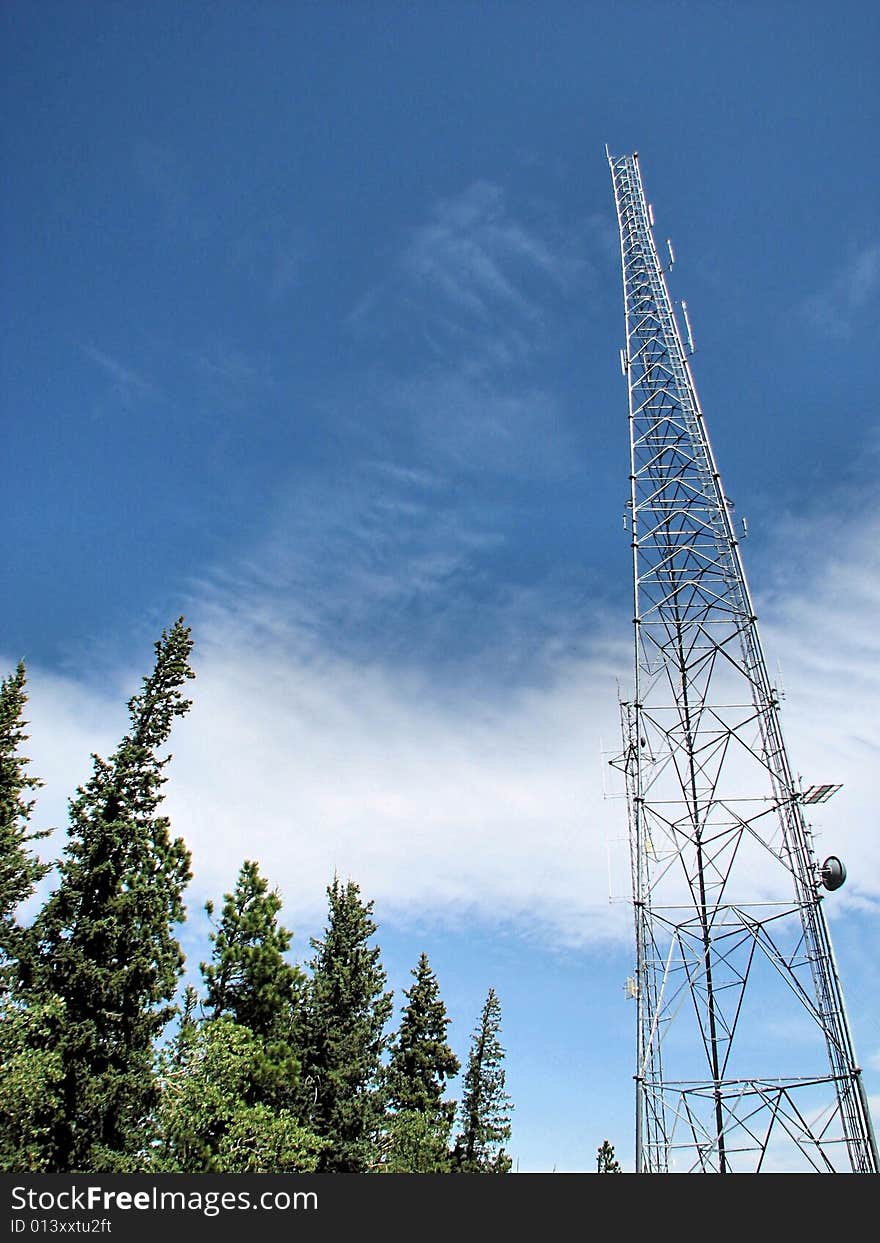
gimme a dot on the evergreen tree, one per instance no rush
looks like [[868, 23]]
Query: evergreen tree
[[485, 1107], [250, 982], [20, 869], [341, 1094], [605, 1159], [107, 947], [421, 1061], [249, 979]]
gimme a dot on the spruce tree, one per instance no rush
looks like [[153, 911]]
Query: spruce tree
[[342, 1098], [250, 982], [421, 1061], [249, 979], [606, 1162], [485, 1106], [107, 946], [20, 869]]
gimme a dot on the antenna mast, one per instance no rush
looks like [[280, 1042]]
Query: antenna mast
[[745, 1060]]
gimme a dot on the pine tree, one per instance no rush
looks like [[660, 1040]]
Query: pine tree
[[107, 946], [421, 1061], [341, 1096], [485, 1107], [250, 982], [605, 1159], [249, 979], [20, 870]]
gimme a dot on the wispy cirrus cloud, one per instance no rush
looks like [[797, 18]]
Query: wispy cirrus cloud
[[127, 384], [478, 295], [836, 309], [391, 562], [271, 254], [478, 283], [511, 432], [375, 558], [231, 380], [473, 253]]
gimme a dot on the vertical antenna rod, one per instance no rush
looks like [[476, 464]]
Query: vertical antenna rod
[[745, 1060]]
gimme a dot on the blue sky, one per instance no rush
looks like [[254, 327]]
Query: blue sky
[[311, 334]]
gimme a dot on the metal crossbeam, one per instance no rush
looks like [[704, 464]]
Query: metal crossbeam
[[744, 1055]]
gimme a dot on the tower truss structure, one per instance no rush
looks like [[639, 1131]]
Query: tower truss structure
[[745, 1060]]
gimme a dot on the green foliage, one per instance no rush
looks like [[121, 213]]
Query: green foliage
[[31, 1074], [249, 979], [20, 869], [341, 1095], [261, 1141], [417, 1143], [485, 1107], [211, 1116], [105, 936], [605, 1160]]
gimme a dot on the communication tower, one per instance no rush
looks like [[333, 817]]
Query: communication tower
[[745, 1060]]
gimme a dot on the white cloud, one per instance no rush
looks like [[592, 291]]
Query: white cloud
[[440, 800], [822, 629], [448, 798], [436, 806]]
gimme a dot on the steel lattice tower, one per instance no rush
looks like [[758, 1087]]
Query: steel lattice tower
[[744, 1055]]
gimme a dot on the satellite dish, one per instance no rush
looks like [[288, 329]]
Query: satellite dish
[[832, 873]]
